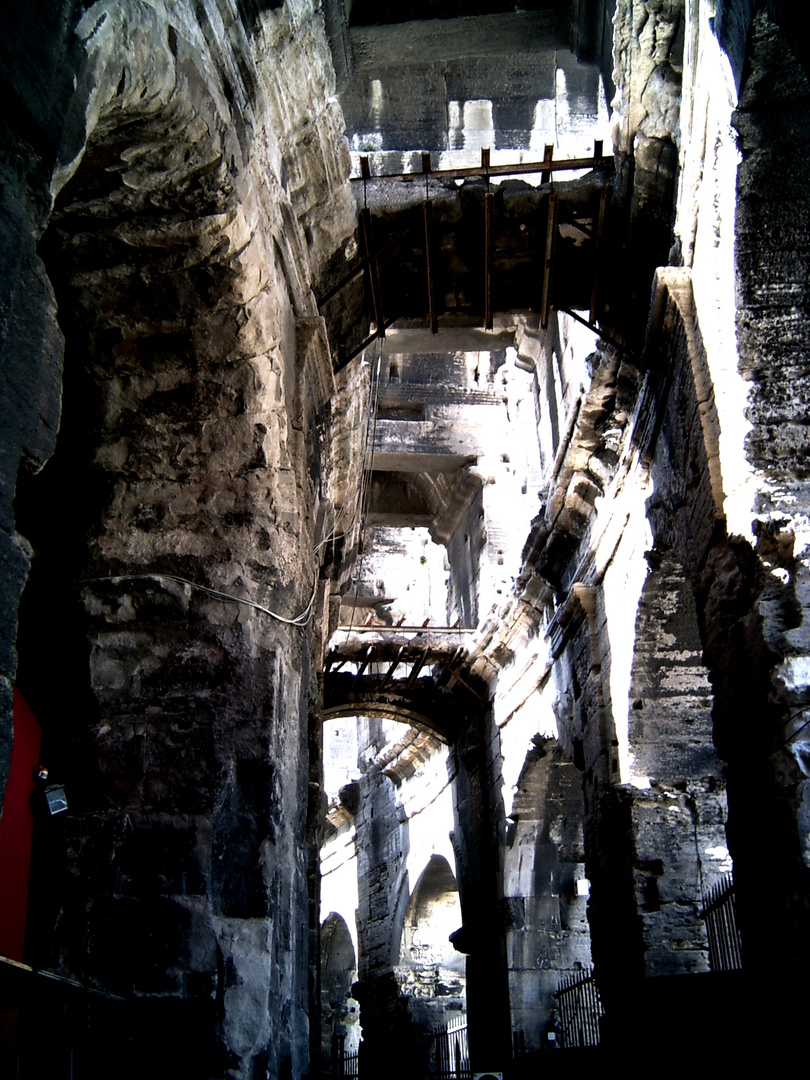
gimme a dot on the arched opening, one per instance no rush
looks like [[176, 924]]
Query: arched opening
[[430, 968], [389, 823], [546, 890], [340, 1027]]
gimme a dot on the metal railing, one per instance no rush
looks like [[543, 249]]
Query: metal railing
[[580, 1009], [720, 914], [345, 1063], [349, 1065], [452, 1053]]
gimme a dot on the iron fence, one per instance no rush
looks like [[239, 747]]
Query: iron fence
[[452, 1054], [720, 914], [580, 1009]]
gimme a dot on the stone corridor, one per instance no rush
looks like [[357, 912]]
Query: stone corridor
[[404, 651]]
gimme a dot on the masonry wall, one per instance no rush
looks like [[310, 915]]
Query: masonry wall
[[196, 167]]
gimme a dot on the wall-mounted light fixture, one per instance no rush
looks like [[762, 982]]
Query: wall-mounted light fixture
[[55, 798]]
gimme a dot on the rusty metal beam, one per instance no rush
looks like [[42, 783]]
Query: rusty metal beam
[[603, 195], [600, 333], [392, 669], [488, 202], [364, 662], [417, 667], [373, 271], [460, 679], [321, 301], [551, 228], [548, 155], [434, 322], [364, 345], [519, 169]]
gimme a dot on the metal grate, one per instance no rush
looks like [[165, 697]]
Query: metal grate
[[345, 1063], [452, 1054], [720, 913], [350, 1065], [580, 1009]]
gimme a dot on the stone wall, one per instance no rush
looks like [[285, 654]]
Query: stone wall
[[164, 640], [772, 219]]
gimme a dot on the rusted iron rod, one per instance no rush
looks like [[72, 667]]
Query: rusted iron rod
[[600, 333], [364, 662], [392, 669], [356, 352], [352, 274], [417, 667]]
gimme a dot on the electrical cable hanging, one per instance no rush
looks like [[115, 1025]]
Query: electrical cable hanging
[[371, 437], [301, 619], [335, 535]]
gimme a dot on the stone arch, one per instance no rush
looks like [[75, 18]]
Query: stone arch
[[385, 710], [432, 915], [682, 799]]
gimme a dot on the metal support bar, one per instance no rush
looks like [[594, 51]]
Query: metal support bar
[[600, 333], [599, 228], [417, 667], [373, 272], [551, 228], [548, 155], [488, 201], [321, 301], [364, 345], [434, 323], [459, 678], [392, 669], [364, 662], [518, 169]]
